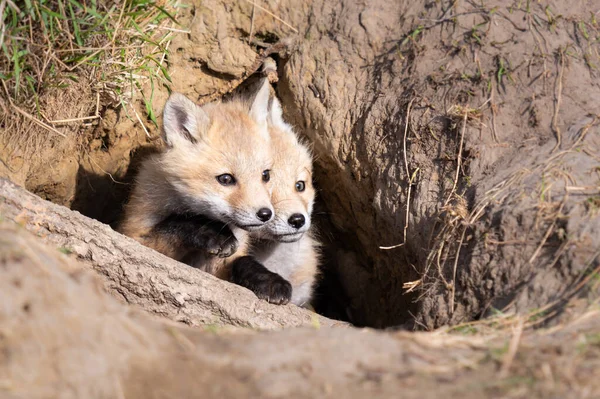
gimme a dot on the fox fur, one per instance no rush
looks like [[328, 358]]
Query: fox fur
[[291, 252], [182, 182]]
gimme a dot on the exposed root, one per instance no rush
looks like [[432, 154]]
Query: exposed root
[[411, 285], [392, 246]]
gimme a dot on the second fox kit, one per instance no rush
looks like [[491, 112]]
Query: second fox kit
[[286, 246], [212, 180]]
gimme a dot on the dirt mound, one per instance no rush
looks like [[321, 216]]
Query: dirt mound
[[461, 137], [62, 336]]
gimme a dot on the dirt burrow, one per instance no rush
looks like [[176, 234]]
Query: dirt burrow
[[521, 77], [508, 234]]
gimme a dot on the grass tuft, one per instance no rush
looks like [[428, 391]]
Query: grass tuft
[[120, 46]]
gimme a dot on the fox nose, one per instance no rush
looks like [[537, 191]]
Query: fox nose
[[264, 214], [296, 220]]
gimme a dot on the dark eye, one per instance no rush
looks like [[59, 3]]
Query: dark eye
[[300, 186], [226, 179], [266, 175]]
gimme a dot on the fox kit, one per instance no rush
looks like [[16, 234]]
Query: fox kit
[[285, 248], [197, 199]]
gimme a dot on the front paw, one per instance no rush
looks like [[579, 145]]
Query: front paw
[[222, 245], [274, 289], [248, 272]]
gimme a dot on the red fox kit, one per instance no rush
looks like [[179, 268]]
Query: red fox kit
[[196, 199], [285, 248]]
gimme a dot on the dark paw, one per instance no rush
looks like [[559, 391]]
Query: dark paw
[[198, 232], [222, 245], [248, 272], [275, 289]]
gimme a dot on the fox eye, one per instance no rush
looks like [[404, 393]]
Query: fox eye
[[300, 186], [226, 179], [266, 175]]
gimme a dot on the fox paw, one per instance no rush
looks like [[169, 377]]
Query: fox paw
[[222, 245], [275, 289], [248, 272]]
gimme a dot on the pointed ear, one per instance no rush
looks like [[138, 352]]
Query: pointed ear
[[276, 114], [183, 121], [259, 109], [275, 117]]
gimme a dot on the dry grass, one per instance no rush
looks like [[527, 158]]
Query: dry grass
[[53, 44], [455, 221], [501, 321]]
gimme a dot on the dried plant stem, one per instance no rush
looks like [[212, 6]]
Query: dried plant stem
[[408, 176], [85, 118], [458, 161], [35, 120], [493, 108], [274, 16], [252, 23], [140, 121], [512, 349], [393, 246], [548, 232], [557, 100], [29, 116], [460, 243]]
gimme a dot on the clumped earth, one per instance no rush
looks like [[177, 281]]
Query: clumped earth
[[457, 146]]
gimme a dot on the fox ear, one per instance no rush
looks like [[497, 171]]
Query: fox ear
[[276, 117], [276, 114], [183, 121], [259, 109]]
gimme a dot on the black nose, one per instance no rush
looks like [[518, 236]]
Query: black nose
[[264, 214], [296, 220]]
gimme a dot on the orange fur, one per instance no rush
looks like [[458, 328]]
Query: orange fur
[[203, 143], [292, 253]]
